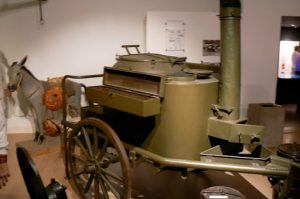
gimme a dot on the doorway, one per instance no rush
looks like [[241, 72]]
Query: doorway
[[288, 82]]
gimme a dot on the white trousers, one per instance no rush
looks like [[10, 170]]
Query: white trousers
[[3, 130]]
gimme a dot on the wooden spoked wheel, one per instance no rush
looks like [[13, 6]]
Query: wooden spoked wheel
[[98, 161]]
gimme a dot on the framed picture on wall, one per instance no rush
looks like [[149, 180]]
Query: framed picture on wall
[[211, 47]]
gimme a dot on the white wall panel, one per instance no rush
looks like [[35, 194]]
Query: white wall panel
[[198, 26]]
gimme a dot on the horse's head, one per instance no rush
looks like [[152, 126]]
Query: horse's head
[[15, 75]]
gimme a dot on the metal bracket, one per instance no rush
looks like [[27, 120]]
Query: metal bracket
[[42, 21], [218, 110]]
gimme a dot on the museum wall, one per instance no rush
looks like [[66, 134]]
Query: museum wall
[[184, 34], [260, 26], [80, 37]]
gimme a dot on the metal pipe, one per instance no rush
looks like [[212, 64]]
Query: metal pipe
[[24, 4], [271, 170], [230, 15]]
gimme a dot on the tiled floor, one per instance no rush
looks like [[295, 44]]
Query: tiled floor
[[147, 181]]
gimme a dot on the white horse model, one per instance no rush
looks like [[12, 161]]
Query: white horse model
[[32, 90]]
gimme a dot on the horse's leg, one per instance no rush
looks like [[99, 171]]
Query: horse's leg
[[41, 111], [74, 101], [73, 106], [36, 123], [57, 117]]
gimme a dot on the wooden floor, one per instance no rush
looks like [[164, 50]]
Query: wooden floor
[[147, 183]]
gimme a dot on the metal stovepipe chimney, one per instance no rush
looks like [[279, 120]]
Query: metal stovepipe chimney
[[230, 15]]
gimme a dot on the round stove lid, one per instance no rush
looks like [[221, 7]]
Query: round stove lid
[[181, 76], [151, 57], [291, 151], [201, 73]]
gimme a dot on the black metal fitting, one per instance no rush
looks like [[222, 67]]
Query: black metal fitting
[[230, 3]]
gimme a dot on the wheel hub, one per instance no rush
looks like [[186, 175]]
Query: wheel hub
[[93, 166]]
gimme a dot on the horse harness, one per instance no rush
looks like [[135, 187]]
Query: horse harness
[[34, 90]]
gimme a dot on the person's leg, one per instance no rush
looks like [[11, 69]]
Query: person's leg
[[4, 171]]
